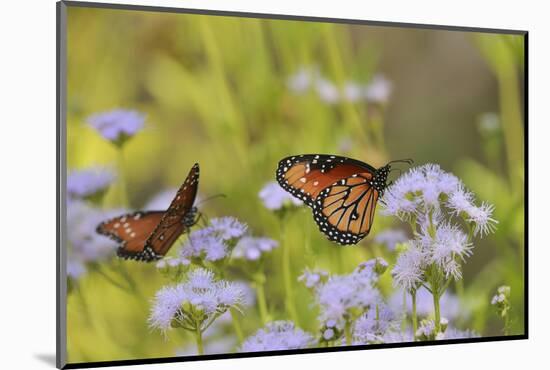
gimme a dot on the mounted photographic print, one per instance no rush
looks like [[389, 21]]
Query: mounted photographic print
[[235, 184]]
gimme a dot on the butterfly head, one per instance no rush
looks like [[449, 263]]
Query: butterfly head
[[190, 217], [380, 178]]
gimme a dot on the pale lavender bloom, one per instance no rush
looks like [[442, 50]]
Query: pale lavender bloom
[[345, 144], [201, 291], [373, 325], [460, 200], [489, 122], [251, 248], [378, 90], [426, 329], [228, 227], [342, 293], [312, 278], [449, 242], [481, 217], [352, 91], [277, 335], [450, 305], [118, 124], [75, 268], [327, 91], [204, 243], [168, 262], [86, 244], [454, 333], [395, 336], [328, 334], [408, 271], [390, 238], [302, 80], [274, 197], [88, 182]]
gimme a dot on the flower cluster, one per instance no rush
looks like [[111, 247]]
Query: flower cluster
[[195, 303], [212, 242], [275, 198], [390, 238], [502, 303], [344, 297], [277, 335], [86, 245], [89, 182], [251, 248], [377, 91], [375, 324], [117, 125], [435, 204], [426, 188]]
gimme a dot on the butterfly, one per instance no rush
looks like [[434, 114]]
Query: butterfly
[[148, 235], [342, 192]]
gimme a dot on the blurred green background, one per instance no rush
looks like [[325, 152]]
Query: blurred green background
[[215, 91]]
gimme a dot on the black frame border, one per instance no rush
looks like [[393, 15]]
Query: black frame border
[[61, 91]]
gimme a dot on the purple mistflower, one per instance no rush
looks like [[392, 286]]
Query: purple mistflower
[[449, 304], [274, 197], [378, 90], [313, 278], [352, 91], [302, 80], [344, 293], [89, 182], [398, 336], [454, 333], [461, 202], [168, 262], [390, 238], [277, 335], [418, 189], [252, 248], [75, 268], [228, 227], [86, 244], [408, 270], [448, 243], [373, 325], [204, 243], [201, 292], [328, 92], [117, 125]]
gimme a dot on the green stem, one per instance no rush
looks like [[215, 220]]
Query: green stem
[[122, 195], [414, 316], [287, 277], [347, 332], [437, 313], [262, 306], [236, 325], [198, 339]]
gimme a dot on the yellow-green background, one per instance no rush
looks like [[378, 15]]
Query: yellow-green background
[[214, 91]]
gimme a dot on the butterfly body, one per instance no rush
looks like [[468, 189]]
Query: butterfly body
[[148, 235], [342, 192]]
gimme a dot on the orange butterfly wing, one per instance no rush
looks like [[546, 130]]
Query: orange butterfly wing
[[147, 236], [179, 216], [342, 192], [131, 230]]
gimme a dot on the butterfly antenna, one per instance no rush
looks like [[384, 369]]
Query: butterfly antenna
[[210, 198], [409, 161]]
